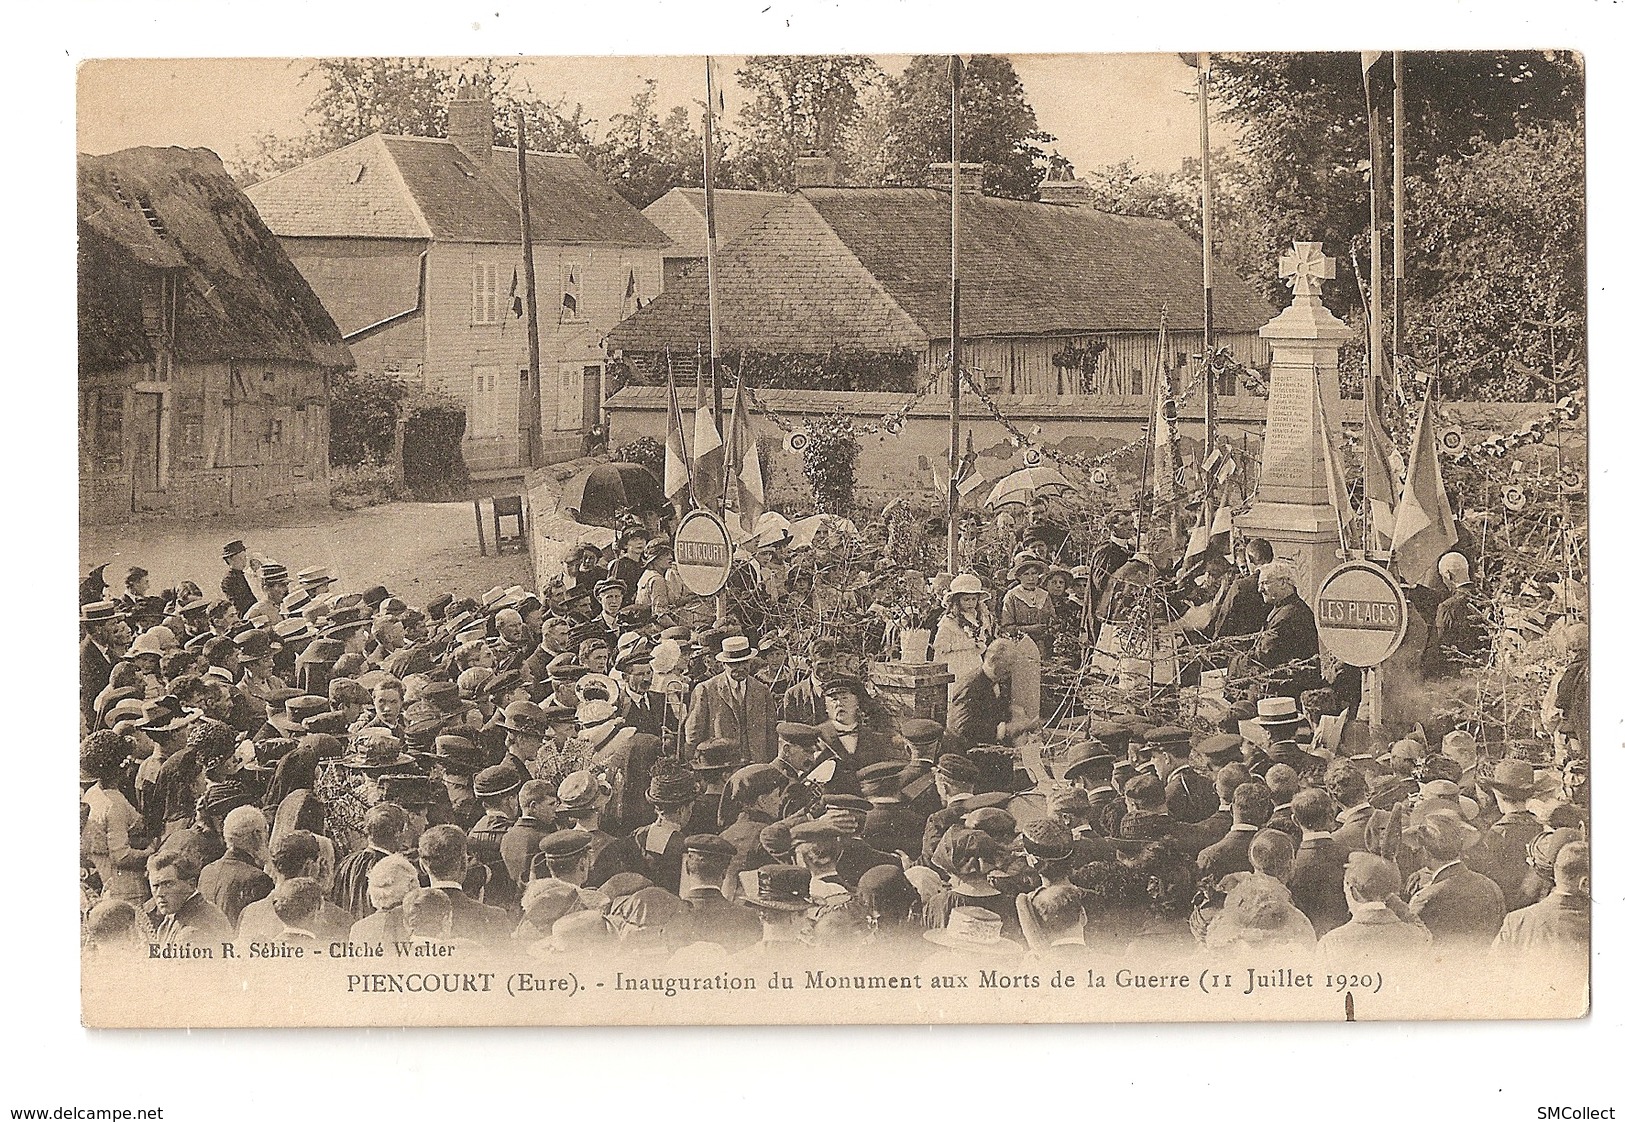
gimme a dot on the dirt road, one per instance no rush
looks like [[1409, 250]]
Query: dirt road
[[416, 550]]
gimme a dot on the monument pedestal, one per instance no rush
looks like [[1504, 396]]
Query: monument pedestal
[[1293, 509], [911, 689]]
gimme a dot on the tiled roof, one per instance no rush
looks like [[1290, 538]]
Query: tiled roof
[[680, 213], [240, 296], [788, 285], [419, 187], [1025, 269]]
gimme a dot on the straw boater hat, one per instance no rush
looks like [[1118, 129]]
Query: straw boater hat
[[736, 648], [582, 791], [316, 577], [780, 888], [1279, 712], [974, 929], [375, 750]]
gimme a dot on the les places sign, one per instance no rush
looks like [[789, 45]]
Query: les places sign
[[1361, 612]]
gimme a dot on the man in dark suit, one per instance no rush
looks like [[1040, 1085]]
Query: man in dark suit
[[238, 879], [179, 914], [234, 585], [804, 700], [979, 706], [1241, 606], [889, 826], [1217, 825], [1316, 882], [443, 852], [1189, 793], [640, 709], [1346, 784], [734, 705], [98, 651], [852, 741], [1108, 557], [713, 918], [1456, 904], [1288, 646], [1250, 809]]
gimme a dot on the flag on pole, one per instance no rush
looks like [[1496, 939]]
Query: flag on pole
[[744, 460], [1368, 59], [1381, 494], [1337, 484], [516, 298], [709, 461], [1424, 528], [678, 472], [1164, 449]]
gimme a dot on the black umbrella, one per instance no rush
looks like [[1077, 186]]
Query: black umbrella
[[595, 497]]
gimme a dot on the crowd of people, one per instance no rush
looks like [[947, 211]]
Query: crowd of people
[[614, 766]]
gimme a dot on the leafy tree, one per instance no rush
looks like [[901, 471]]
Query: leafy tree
[[1305, 140], [800, 105], [1499, 242], [365, 407], [644, 155], [998, 127], [869, 144], [356, 97], [1125, 188]]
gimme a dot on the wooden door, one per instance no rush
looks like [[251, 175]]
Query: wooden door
[[592, 378], [146, 443]]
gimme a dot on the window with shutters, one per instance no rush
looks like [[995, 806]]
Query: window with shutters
[[487, 297]]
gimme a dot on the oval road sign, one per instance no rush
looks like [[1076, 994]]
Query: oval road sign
[[1361, 612], [703, 552]]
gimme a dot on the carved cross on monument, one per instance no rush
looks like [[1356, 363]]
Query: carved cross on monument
[[1307, 268]]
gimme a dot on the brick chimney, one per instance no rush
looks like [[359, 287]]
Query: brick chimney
[[816, 171], [941, 176], [1068, 192], [469, 121]]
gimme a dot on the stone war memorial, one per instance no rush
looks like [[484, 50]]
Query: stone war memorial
[[936, 580]]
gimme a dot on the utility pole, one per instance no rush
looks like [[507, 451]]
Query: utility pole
[[955, 77], [533, 448]]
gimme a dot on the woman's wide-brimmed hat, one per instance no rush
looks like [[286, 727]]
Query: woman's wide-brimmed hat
[[974, 929], [965, 584]]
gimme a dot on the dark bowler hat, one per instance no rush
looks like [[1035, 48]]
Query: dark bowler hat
[[565, 845], [254, 644], [720, 754], [494, 782], [710, 845], [852, 803], [880, 779], [232, 549], [958, 769], [797, 733], [374, 596], [1089, 752], [522, 717], [672, 785], [457, 754], [1046, 839], [1165, 735], [780, 888], [920, 730], [375, 750], [436, 608], [502, 683], [409, 790]]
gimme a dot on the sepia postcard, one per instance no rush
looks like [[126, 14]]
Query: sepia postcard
[[833, 539]]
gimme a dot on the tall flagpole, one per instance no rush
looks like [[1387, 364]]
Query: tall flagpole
[[1210, 420], [1374, 305], [709, 164], [533, 406], [1399, 208], [954, 78]]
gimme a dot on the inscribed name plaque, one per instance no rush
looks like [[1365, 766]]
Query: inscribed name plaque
[[1361, 612], [703, 552]]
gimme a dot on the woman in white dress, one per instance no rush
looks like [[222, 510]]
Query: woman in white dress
[[966, 628]]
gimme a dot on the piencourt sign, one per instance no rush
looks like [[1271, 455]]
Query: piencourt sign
[[1361, 612], [702, 552]]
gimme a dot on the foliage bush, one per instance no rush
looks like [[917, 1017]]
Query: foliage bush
[[432, 451], [365, 406], [360, 485], [645, 451], [831, 462]]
